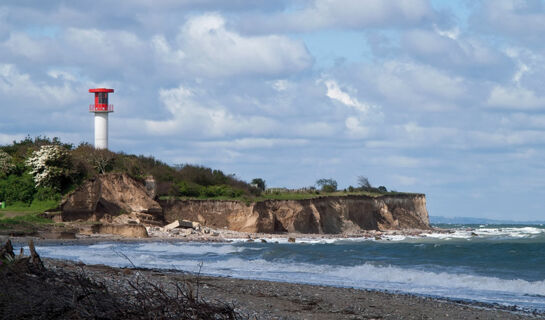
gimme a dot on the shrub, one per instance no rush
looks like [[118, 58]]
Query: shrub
[[17, 188], [188, 189], [50, 166], [259, 183], [47, 193], [327, 185]]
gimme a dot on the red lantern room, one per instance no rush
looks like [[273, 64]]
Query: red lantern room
[[101, 100]]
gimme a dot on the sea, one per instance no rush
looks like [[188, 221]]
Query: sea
[[487, 264]]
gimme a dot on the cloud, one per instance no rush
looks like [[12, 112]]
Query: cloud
[[523, 20], [189, 117], [334, 92], [458, 54], [319, 14], [515, 98], [418, 86], [16, 87], [355, 128], [205, 46]]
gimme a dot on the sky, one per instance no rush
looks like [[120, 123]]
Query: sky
[[439, 97]]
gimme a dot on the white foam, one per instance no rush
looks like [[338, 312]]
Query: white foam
[[188, 248]]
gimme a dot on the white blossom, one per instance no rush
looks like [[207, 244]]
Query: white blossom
[[49, 165], [6, 163]]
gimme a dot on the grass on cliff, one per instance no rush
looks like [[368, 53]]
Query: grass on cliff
[[286, 196]]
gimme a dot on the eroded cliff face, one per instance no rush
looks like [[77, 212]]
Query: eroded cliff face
[[108, 195], [321, 215]]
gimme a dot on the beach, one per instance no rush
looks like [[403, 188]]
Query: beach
[[279, 300], [296, 293]]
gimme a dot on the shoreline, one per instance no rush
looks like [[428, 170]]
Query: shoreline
[[424, 303], [261, 299]]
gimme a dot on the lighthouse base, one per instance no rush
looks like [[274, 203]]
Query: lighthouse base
[[101, 130]]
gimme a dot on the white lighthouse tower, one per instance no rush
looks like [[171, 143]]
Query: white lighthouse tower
[[101, 108]]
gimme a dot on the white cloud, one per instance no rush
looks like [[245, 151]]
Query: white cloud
[[355, 128], [18, 86], [280, 85], [254, 143], [320, 14], [515, 98], [334, 92], [205, 46], [418, 86], [191, 118]]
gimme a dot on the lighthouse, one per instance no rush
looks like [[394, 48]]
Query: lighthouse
[[101, 108]]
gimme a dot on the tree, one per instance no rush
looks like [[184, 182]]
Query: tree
[[382, 189], [50, 166], [102, 160], [259, 183], [6, 164], [363, 183], [327, 185]]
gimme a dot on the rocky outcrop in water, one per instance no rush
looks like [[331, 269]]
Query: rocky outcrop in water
[[332, 215]]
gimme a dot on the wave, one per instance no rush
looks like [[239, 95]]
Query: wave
[[233, 260]]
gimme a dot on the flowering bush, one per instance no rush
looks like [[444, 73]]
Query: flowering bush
[[6, 164], [50, 166]]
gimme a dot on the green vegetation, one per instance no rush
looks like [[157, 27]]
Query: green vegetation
[[37, 206], [327, 185], [41, 170], [36, 173]]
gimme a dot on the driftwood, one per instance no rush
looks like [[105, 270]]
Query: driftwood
[[6, 251], [28, 290]]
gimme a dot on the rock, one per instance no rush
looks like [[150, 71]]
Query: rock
[[215, 234], [172, 225], [180, 224], [125, 230], [473, 234], [291, 239], [263, 241]]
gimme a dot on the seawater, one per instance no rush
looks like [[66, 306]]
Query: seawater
[[502, 264]]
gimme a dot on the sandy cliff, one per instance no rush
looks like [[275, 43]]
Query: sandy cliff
[[321, 215], [108, 196]]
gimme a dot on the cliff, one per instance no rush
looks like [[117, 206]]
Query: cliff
[[320, 215], [107, 196]]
